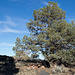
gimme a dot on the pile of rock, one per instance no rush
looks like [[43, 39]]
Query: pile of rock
[[31, 62]]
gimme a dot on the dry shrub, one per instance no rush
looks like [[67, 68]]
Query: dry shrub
[[59, 69]]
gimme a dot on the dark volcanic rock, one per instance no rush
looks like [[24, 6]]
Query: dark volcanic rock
[[7, 66], [36, 62]]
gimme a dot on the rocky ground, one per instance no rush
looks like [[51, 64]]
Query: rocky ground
[[17, 66], [46, 71]]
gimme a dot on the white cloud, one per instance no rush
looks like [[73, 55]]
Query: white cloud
[[45, 3], [0, 22], [6, 44], [13, 21], [9, 30], [8, 21], [15, 0], [71, 19]]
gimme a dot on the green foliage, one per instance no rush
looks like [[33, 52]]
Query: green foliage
[[20, 48], [66, 56], [50, 32]]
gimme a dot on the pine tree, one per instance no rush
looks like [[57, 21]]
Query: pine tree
[[50, 32]]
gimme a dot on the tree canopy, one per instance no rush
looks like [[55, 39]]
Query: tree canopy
[[50, 33]]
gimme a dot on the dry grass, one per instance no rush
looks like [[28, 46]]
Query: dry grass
[[59, 69]]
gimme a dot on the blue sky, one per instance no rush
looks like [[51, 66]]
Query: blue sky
[[14, 14]]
